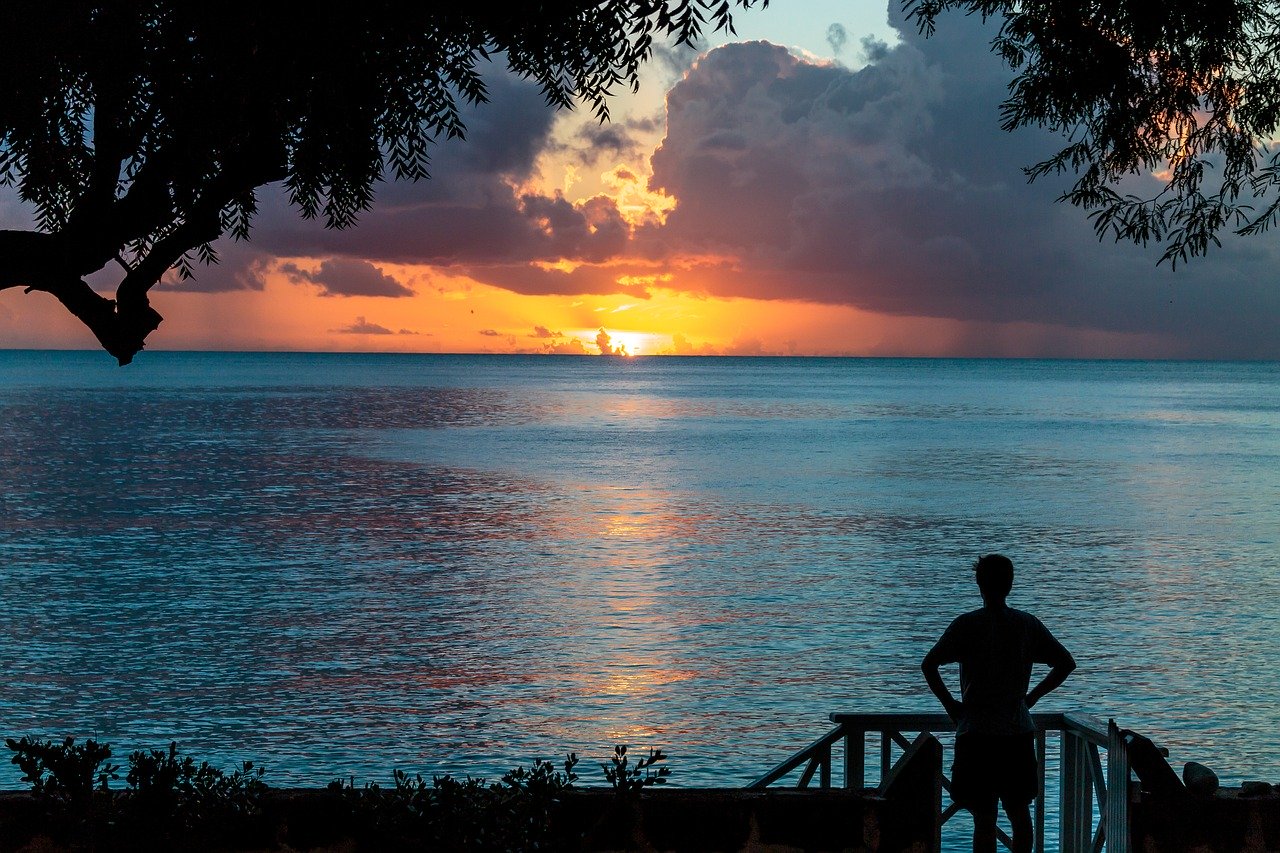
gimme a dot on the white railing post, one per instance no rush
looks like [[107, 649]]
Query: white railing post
[[1040, 755], [1075, 796]]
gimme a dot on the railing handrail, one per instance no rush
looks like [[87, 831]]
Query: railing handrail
[[1082, 776], [806, 754], [924, 721], [1086, 726]]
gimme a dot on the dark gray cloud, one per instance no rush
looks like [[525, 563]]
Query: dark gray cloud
[[872, 49], [348, 277], [240, 266], [613, 141], [541, 281]]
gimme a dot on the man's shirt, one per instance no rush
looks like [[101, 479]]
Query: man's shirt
[[996, 648]]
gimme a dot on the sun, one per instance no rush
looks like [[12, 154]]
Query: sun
[[627, 343], [610, 342]]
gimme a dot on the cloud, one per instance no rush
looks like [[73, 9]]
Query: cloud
[[240, 266], [534, 280], [745, 345], [573, 346], [346, 277], [613, 142], [467, 218], [873, 49], [605, 343], [837, 37], [557, 344], [742, 345], [490, 333], [893, 189], [363, 327]]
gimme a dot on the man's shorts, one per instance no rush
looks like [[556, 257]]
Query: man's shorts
[[994, 767]]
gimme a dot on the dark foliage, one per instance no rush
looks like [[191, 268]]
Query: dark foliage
[[516, 813], [626, 777], [171, 802], [69, 781]]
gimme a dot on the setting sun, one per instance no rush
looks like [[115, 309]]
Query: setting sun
[[625, 343]]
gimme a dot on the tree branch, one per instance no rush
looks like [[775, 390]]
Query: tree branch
[[55, 263], [25, 256], [36, 261]]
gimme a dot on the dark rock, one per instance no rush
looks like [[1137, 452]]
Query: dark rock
[[1256, 789], [1199, 779]]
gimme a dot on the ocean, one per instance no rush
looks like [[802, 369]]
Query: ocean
[[335, 565]]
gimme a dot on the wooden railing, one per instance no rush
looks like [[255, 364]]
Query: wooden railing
[[1082, 783]]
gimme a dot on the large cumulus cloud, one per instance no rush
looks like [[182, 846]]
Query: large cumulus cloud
[[893, 189]]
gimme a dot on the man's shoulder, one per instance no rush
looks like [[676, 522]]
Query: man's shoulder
[[984, 615], [1030, 620], [1024, 616], [969, 618]]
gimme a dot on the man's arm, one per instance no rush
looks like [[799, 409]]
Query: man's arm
[[933, 678], [1051, 682], [1061, 661]]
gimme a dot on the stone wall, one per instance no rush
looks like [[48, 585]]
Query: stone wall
[[1222, 823]]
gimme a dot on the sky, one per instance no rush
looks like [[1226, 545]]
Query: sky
[[825, 182]]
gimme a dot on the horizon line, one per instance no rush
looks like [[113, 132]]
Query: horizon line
[[635, 356]]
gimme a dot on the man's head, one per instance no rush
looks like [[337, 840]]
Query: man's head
[[995, 576]]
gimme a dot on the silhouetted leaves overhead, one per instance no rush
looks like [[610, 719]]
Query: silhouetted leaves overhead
[[140, 131], [1182, 90]]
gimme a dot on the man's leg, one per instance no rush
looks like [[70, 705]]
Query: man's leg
[[984, 812], [1020, 819]]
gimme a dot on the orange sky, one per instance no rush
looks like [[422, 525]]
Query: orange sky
[[464, 316]]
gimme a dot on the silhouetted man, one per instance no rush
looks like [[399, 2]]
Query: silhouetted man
[[995, 754]]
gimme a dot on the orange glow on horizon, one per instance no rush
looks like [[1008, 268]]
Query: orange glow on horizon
[[459, 315]]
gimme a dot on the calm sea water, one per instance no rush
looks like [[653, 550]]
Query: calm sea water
[[335, 565]]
